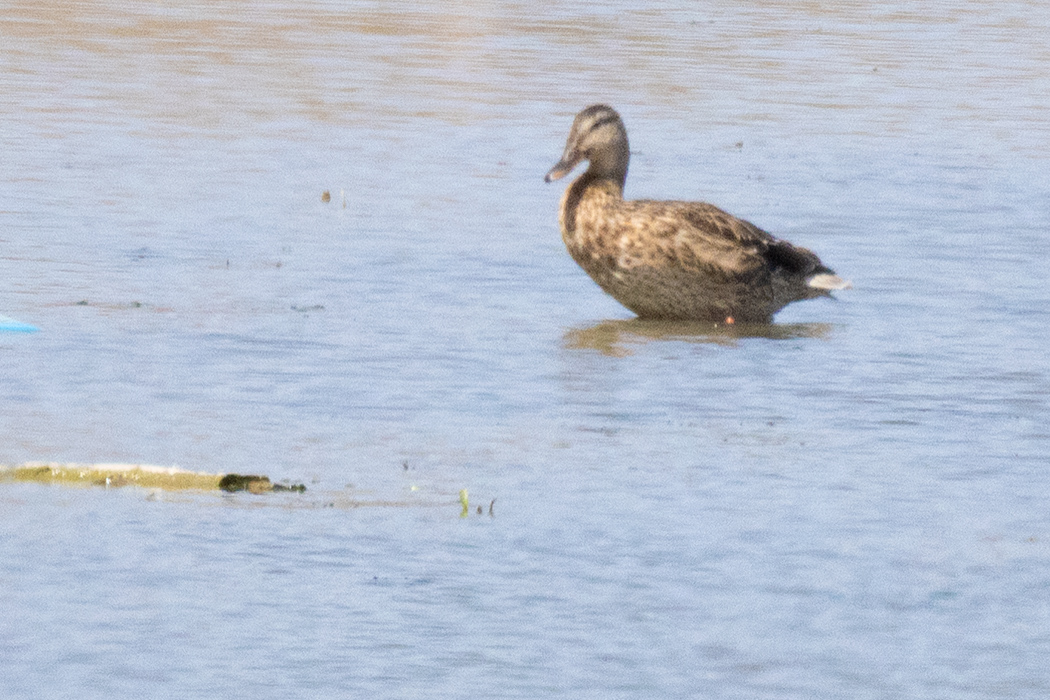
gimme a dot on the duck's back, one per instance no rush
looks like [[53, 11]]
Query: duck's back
[[689, 260]]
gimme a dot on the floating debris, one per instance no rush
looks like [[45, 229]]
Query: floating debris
[[326, 197], [144, 475], [158, 480], [255, 484], [15, 326]]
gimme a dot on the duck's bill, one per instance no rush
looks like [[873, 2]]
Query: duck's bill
[[560, 170]]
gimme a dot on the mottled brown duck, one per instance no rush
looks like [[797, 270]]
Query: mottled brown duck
[[668, 259]]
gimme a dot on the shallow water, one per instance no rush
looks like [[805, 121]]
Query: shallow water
[[850, 503]]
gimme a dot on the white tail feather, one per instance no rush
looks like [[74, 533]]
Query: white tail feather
[[828, 282]]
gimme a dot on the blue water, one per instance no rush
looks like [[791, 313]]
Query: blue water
[[852, 503]]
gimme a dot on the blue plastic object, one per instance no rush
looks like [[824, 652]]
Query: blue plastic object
[[13, 326]]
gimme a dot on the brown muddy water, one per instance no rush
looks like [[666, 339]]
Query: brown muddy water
[[853, 502]]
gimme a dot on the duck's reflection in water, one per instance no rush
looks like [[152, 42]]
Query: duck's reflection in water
[[616, 338]]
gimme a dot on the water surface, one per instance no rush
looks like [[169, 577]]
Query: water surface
[[850, 503]]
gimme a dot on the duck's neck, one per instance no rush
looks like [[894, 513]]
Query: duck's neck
[[610, 163], [609, 189]]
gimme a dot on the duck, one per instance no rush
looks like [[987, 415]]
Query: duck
[[673, 260]]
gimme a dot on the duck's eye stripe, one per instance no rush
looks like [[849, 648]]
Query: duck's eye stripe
[[603, 121]]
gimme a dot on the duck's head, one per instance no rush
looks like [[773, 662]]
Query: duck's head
[[598, 136]]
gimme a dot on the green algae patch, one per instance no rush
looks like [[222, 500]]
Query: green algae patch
[[144, 475]]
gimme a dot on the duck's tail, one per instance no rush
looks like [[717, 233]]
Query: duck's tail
[[828, 282]]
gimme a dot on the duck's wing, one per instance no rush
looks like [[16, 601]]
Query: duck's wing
[[700, 236]]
